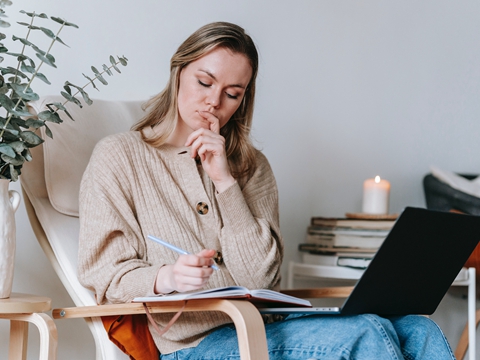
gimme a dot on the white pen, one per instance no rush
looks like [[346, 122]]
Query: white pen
[[174, 248]]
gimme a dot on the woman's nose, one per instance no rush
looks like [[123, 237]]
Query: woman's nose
[[213, 99]]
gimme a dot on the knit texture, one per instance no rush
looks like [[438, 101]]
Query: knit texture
[[130, 190]]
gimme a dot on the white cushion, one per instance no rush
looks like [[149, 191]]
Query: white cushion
[[70, 149]]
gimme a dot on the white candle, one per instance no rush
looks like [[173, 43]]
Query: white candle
[[376, 194]]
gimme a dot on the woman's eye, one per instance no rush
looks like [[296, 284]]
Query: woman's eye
[[203, 84], [230, 96]]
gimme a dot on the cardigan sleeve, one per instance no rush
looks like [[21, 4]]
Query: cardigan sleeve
[[112, 256], [250, 237]]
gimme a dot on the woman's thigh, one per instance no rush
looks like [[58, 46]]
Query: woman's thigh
[[308, 337]]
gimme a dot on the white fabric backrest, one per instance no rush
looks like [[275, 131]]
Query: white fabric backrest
[[52, 183], [67, 154]]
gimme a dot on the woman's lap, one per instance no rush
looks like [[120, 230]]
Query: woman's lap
[[316, 337]]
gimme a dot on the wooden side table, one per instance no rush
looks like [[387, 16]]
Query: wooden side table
[[21, 309]]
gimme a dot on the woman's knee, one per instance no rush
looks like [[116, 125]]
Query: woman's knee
[[415, 326]]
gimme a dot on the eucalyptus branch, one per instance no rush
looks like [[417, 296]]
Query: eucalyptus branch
[[23, 48], [17, 126], [98, 76], [42, 61], [33, 75]]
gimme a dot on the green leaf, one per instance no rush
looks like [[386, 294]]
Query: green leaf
[[48, 32], [32, 14], [4, 89], [58, 105], [123, 60], [15, 80], [17, 160], [46, 60], [43, 78], [101, 79], [116, 68], [47, 115], [13, 71], [70, 116], [31, 138], [38, 50], [71, 98], [3, 49], [67, 89], [13, 172], [48, 132], [12, 131], [6, 102], [91, 81], [32, 123], [85, 96], [27, 154], [18, 122], [20, 57], [4, 24], [7, 150], [26, 68], [60, 41], [63, 22], [24, 92], [112, 60], [20, 112], [22, 40], [23, 57], [17, 146], [28, 25], [107, 70], [94, 69]]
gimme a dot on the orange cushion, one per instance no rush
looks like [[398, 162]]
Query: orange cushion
[[474, 261], [130, 333]]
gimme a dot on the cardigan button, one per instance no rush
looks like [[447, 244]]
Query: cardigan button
[[202, 208], [218, 258]]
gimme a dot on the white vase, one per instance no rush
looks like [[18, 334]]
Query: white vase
[[9, 201]]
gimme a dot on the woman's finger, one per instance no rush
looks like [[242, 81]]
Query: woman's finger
[[212, 119], [208, 140]]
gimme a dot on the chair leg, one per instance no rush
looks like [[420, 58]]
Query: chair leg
[[462, 345], [18, 340], [19, 334], [250, 329]]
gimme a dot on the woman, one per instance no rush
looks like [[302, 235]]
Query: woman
[[189, 174]]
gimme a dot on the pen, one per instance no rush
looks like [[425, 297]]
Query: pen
[[174, 248]]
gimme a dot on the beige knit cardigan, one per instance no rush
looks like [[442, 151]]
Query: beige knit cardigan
[[131, 189]]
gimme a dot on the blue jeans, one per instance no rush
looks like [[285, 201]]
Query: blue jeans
[[311, 337]]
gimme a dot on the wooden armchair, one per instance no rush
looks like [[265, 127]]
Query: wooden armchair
[[51, 185]]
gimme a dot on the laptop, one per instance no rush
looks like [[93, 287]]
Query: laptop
[[414, 267]]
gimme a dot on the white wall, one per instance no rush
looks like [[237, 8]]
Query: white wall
[[347, 90]]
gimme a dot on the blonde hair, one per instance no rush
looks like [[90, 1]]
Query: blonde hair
[[163, 108]]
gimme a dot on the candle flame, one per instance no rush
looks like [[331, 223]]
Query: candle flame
[[377, 179]]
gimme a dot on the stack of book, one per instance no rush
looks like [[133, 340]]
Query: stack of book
[[350, 242]]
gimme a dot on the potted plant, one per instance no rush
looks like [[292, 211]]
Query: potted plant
[[17, 126]]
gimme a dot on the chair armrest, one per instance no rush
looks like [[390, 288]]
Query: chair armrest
[[327, 292], [248, 322]]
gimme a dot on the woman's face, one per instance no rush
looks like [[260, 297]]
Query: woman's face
[[215, 83]]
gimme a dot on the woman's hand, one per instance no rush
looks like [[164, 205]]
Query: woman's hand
[[190, 272], [209, 145]]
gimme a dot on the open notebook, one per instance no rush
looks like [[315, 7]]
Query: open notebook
[[260, 296], [414, 267]]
